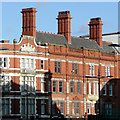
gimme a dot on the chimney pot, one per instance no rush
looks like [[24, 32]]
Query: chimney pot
[[29, 21], [64, 24], [95, 30]]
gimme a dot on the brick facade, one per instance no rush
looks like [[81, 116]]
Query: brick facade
[[50, 79]]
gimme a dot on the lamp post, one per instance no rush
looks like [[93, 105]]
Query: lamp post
[[98, 77]]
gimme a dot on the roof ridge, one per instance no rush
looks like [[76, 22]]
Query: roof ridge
[[50, 33]]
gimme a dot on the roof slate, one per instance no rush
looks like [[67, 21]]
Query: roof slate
[[77, 42]]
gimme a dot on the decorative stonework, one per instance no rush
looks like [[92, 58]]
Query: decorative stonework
[[76, 98], [27, 47], [92, 97]]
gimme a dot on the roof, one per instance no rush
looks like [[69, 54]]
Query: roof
[[50, 38], [77, 42]]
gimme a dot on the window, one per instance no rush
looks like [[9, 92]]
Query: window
[[78, 87], [42, 64], [57, 67], [94, 88], [5, 106], [76, 71], [90, 88], [27, 63], [75, 68], [78, 108], [92, 70], [28, 83], [73, 108], [3, 62], [54, 86], [62, 107], [105, 90], [30, 106], [42, 85], [42, 106], [23, 106], [60, 86], [107, 71], [6, 81], [108, 109], [72, 86], [110, 90], [88, 108]]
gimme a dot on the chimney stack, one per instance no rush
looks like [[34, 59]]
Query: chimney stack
[[64, 24], [95, 30], [29, 21]]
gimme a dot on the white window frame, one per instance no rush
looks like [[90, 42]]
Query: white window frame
[[107, 71], [90, 88], [6, 83], [90, 70], [42, 85], [108, 68], [27, 63], [2, 62], [28, 83], [73, 108]]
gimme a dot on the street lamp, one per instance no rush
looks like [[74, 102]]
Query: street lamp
[[98, 77]]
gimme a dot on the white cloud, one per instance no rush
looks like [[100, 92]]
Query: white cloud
[[83, 29]]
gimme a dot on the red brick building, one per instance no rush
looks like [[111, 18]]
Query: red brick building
[[44, 74]]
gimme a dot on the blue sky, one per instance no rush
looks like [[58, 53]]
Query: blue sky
[[47, 12]]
